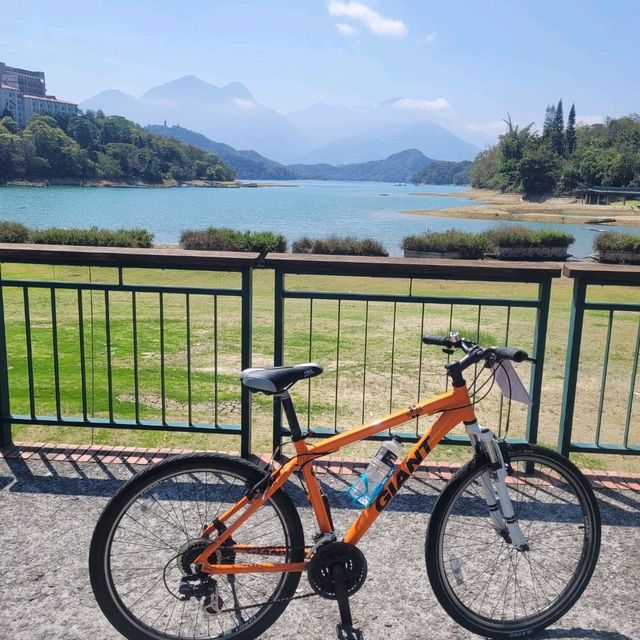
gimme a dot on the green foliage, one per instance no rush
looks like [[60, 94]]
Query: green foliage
[[558, 160], [614, 241], [93, 237], [518, 236], [13, 232], [470, 245], [444, 172], [93, 146], [223, 239], [341, 246]]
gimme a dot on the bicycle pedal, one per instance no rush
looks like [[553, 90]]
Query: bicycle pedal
[[349, 633]]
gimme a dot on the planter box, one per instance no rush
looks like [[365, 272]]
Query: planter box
[[449, 255], [532, 253], [621, 257]]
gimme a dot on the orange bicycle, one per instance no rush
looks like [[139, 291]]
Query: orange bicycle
[[210, 546]]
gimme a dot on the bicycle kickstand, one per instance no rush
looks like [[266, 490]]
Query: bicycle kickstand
[[346, 630]]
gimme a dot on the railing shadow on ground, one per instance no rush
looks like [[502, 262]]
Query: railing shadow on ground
[[581, 634], [100, 480]]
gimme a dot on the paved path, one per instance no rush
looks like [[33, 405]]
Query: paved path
[[48, 509]]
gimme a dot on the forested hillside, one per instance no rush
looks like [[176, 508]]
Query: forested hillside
[[92, 146], [443, 172], [562, 155]]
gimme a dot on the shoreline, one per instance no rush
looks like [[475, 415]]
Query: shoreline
[[504, 207], [202, 184]]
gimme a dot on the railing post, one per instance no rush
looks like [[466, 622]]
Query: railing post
[[245, 360], [278, 351], [5, 414], [571, 366], [539, 347]]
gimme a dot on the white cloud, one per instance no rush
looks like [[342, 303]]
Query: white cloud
[[409, 104], [346, 29], [430, 38], [590, 119], [374, 21], [494, 127]]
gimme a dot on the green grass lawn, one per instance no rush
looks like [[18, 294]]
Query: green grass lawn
[[358, 384]]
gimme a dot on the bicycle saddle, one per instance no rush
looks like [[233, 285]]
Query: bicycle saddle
[[272, 380]]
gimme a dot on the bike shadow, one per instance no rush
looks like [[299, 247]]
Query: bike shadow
[[582, 634]]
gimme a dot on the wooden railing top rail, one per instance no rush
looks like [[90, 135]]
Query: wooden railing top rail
[[413, 267], [625, 274], [166, 258]]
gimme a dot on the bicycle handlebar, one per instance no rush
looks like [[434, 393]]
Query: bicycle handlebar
[[475, 352]]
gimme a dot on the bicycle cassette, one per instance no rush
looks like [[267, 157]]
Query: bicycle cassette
[[320, 570]]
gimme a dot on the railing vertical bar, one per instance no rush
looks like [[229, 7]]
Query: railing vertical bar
[[163, 385], [539, 347], [603, 382], [420, 365], [506, 343], [56, 362], [189, 388], [215, 360], [475, 367], [571, 368], [5, 409], [632, 388], [107, 320], [335, 407], [27, 332], [309, 359], [393, 355], [446, 378], [278, 352], [136, 372], [83, 364], [364, 364], [245, 359]]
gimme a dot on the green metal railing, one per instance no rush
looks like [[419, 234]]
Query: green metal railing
[[155, 339], [428, 310], [617, 324], [44, 314]]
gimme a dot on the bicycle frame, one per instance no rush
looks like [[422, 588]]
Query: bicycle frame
[[455, 407]]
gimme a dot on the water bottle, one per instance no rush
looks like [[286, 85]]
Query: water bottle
[[367, 487]]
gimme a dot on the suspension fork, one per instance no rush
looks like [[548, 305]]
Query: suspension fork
[[494, 486]]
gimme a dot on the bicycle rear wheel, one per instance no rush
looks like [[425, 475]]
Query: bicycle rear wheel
[[149, 534], [479, 577]]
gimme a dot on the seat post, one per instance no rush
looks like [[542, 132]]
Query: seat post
[[292, 417]]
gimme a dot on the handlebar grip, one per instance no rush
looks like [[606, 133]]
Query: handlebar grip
[[439, 341], [508, 353]]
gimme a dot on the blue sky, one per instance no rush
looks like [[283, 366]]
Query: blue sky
[[465, 63]]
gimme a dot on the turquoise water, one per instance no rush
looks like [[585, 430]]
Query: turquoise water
[[307, 207]]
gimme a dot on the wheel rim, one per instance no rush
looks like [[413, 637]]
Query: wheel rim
[[491, 582], [159, 521]]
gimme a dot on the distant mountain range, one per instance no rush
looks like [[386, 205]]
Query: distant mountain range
[[250, 165], [319, 134]]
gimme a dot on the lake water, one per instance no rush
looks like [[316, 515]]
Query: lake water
[[314, 208]]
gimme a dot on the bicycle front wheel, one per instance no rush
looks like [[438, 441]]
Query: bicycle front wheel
[[483, 582], [149, 535]]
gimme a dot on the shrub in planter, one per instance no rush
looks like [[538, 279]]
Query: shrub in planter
[[445, 244], [518, 242], [13, 232], [223, 239], [612, 246], [93, 237], [339, 246]]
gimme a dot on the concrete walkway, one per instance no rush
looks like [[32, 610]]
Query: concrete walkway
[[48, 509]]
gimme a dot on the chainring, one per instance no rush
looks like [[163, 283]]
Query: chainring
[[320, 570]]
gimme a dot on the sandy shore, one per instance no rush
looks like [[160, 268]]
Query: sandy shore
[[493, 205]]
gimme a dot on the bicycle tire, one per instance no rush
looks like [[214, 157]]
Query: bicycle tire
[[461, 514], [176, 472]]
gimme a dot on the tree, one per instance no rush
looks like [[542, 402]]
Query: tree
[[549, 122], [557, 138], [570, 133], [9, 124], [539, 169]]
